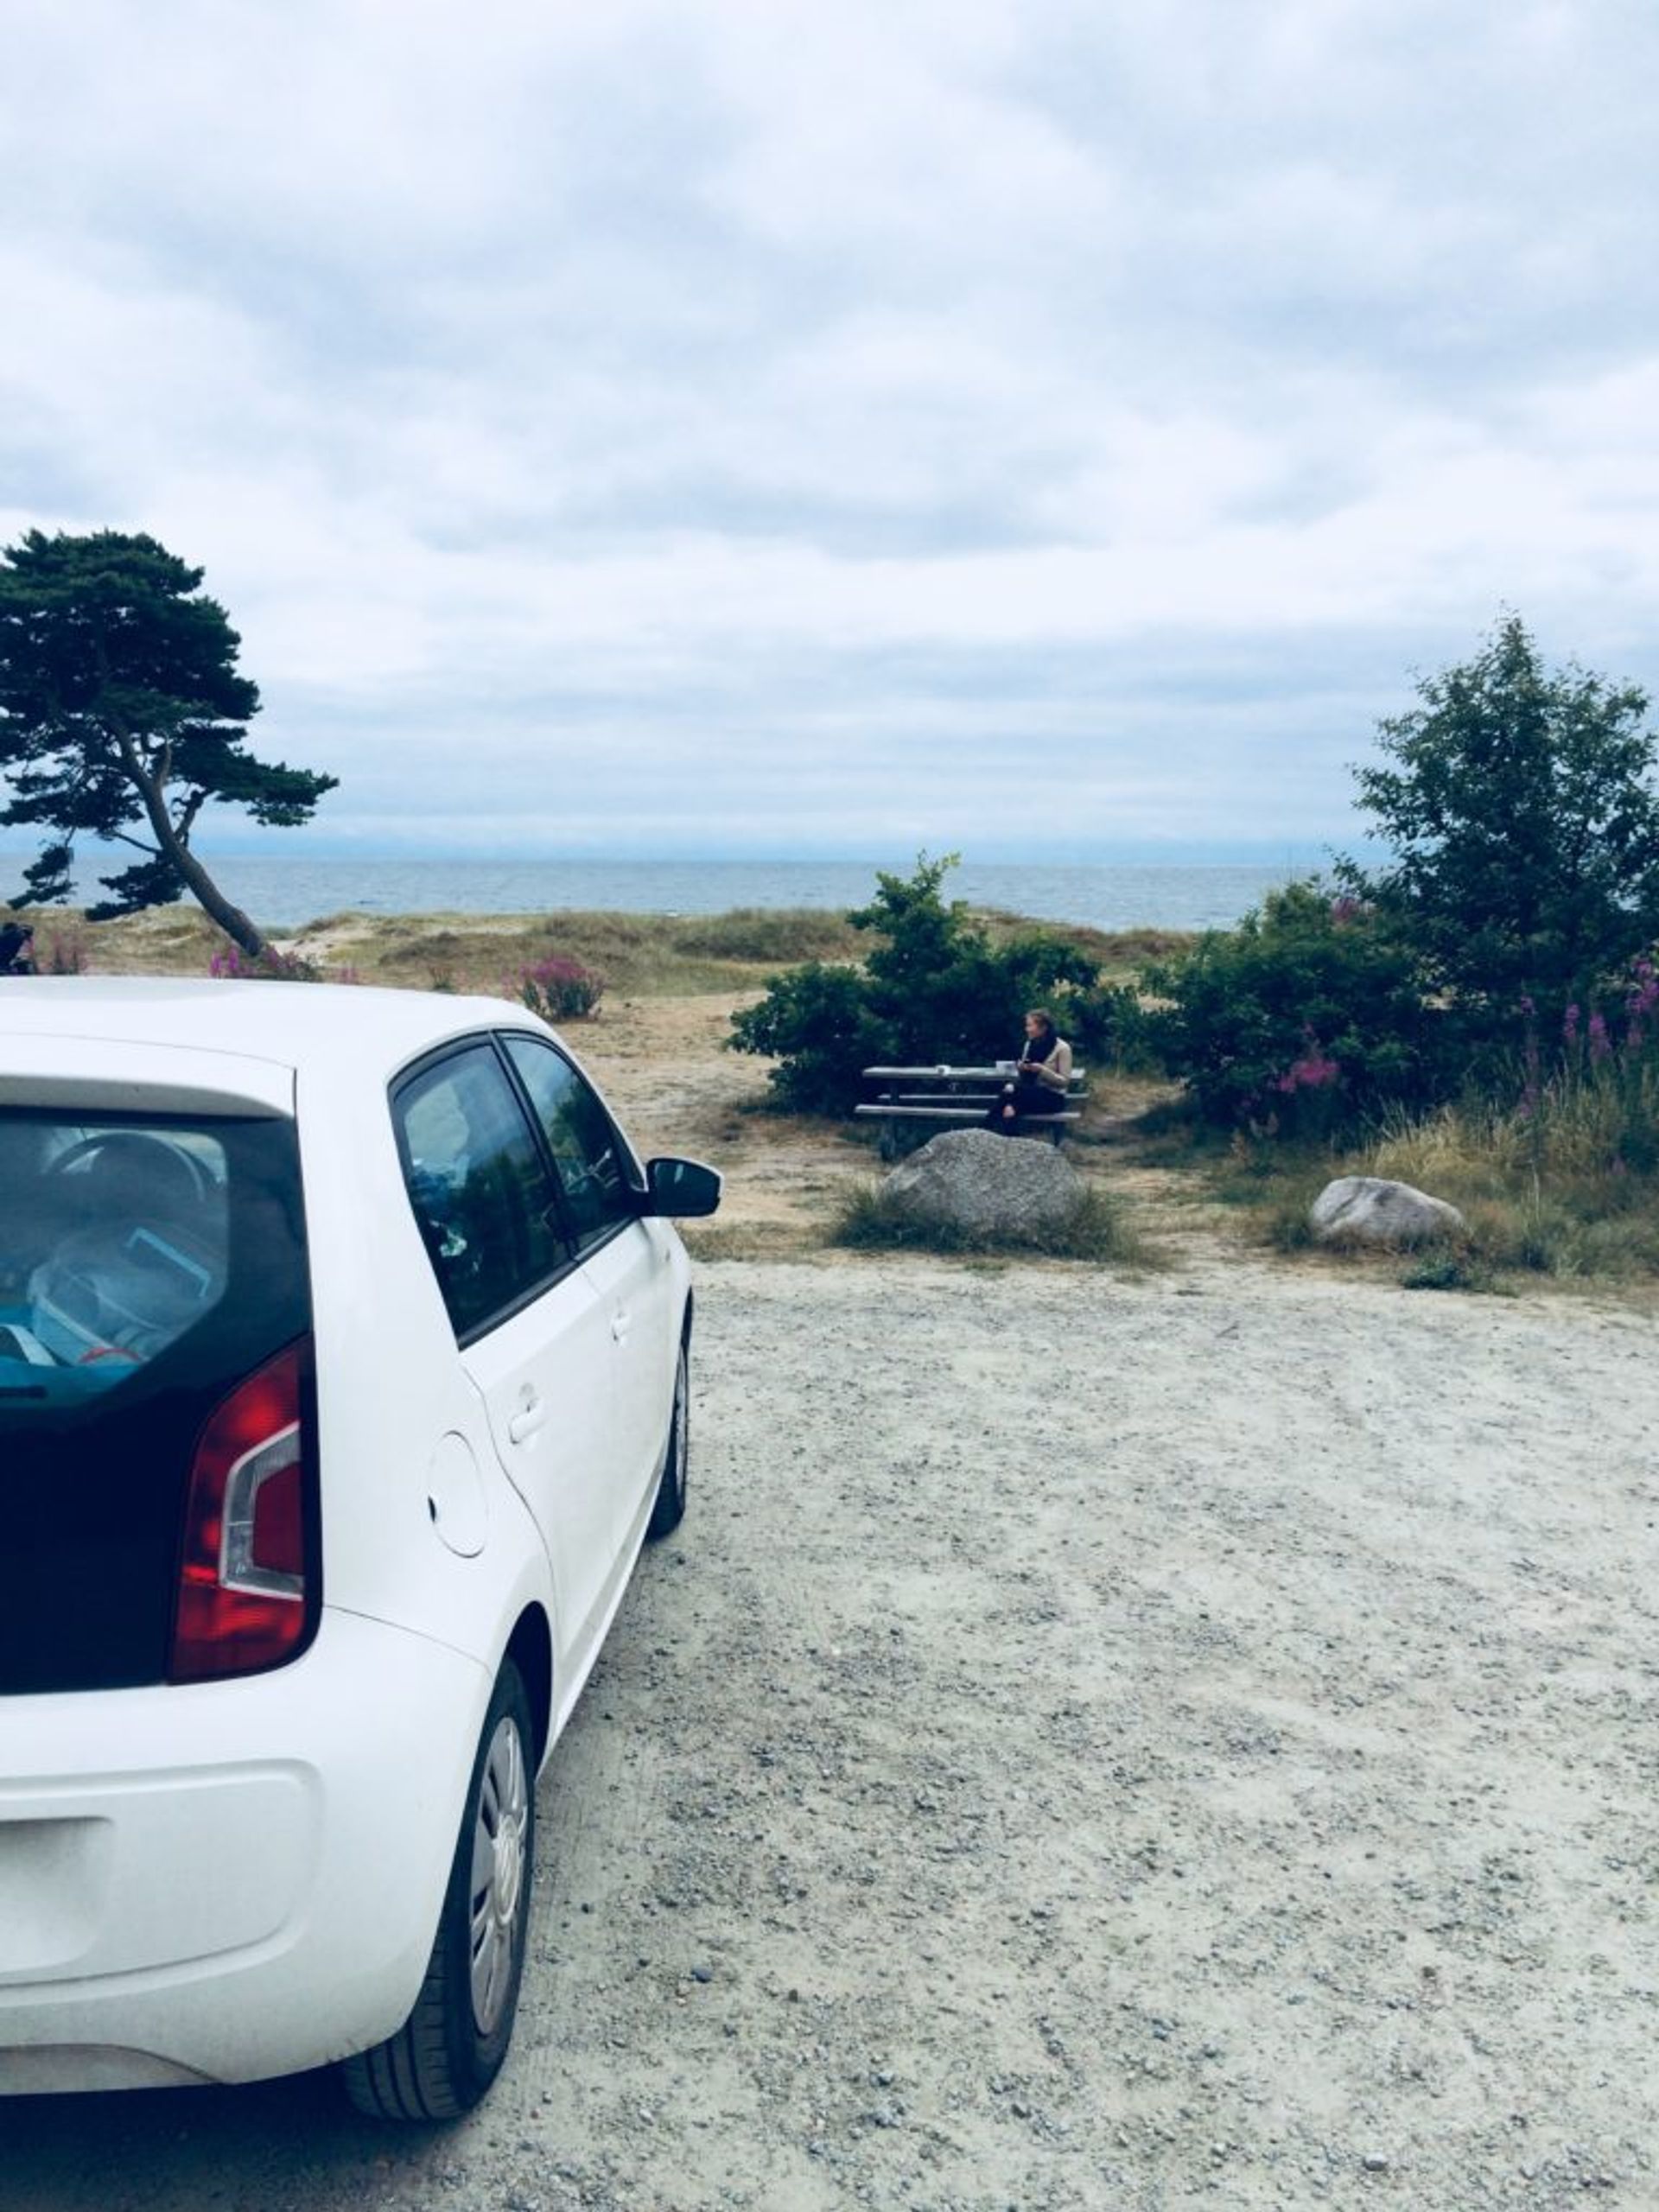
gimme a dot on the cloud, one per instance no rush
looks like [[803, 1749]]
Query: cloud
[[823, 422]]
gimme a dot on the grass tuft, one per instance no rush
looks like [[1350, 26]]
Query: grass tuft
[[1097, 1228], [1457, 1270]]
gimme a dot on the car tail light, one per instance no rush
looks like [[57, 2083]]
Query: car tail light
[[248, 1549]]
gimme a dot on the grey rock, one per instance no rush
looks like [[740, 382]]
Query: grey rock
[[1368, 1210], [992, 1185]]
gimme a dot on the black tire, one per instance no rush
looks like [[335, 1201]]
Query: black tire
[[445, 2054], [668, 1507]]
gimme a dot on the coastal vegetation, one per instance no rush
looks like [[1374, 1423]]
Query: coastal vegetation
[[634, 955], [934, 984], [1476, 1013]]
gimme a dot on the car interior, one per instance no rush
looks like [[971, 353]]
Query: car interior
[[113, 1242]]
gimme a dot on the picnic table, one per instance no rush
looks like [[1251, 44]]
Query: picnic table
[[963, 1096]]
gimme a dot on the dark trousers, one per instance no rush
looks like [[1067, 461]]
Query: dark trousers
[[1026, 1096]]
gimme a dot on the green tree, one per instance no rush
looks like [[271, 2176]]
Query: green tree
[[933, 988], [1518, 806], [122, 716]]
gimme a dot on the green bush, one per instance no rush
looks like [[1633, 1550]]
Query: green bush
[[1303, 1021], [933, 988], [815, 1021]]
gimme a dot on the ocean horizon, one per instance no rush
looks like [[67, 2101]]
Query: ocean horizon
[[284, 893]]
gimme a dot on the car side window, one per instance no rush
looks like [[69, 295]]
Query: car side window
[[487, 1211], [594, 1168]]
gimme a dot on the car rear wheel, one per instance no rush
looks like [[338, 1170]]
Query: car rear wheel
[[450, 2049], [668, 1510]]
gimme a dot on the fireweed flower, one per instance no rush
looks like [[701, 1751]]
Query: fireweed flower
[[1600, 1043], [1313, 1071], [1570, 1029]]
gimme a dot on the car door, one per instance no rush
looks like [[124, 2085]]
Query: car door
[[533, 1330], [625, 1258]]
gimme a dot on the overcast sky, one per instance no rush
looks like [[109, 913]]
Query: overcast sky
[[756, 428]]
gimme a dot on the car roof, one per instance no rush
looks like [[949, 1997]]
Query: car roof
[[291, 1024]]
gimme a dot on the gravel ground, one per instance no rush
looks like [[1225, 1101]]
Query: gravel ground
[[1092, 1744]]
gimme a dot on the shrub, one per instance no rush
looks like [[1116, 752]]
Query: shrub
[[818, 1025], [1303, 1021], [933, 988], [555, 989]]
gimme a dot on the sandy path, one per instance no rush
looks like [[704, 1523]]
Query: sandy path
[[1092, 1744], [662, 1063]]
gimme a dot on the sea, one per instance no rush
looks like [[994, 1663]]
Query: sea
[[284, 893]]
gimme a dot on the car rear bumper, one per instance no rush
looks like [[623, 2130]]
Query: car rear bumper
[[222, 1881]]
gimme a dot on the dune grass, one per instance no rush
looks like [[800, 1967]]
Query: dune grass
[[1566, 1188], [638, 955], [1556, 1188]]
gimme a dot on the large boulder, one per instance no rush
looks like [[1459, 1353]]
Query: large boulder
[[989, 1185], [1369, 1210]]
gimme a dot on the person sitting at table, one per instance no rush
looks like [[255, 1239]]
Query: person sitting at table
[[1041, 1076]]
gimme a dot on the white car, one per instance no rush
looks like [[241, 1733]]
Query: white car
[[343, 1346]]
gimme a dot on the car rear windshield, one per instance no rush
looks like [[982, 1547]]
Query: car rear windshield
[[147, 1266]]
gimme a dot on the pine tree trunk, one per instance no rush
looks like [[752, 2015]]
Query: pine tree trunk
[[232, 920], [235, 924]]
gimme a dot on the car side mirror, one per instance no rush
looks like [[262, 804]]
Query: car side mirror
[[679, 1189]]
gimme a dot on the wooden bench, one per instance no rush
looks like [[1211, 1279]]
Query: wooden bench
[[962, 1095]]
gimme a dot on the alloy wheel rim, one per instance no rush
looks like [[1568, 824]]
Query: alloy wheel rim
[[500, 1838]]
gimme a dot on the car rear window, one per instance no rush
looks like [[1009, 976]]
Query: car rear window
[[148, 1264], [117, 1242]]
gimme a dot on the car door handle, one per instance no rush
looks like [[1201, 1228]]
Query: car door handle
[[530, 1417], [621, 1322]]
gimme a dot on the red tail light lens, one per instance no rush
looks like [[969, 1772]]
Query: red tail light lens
[[242, 1578]]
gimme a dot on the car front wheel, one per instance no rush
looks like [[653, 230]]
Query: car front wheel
[[668, 1507], [450, 2049]]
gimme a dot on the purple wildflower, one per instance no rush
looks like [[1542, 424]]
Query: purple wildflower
[[1313, 1071], [1570, 1029], [1600, 1043]]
